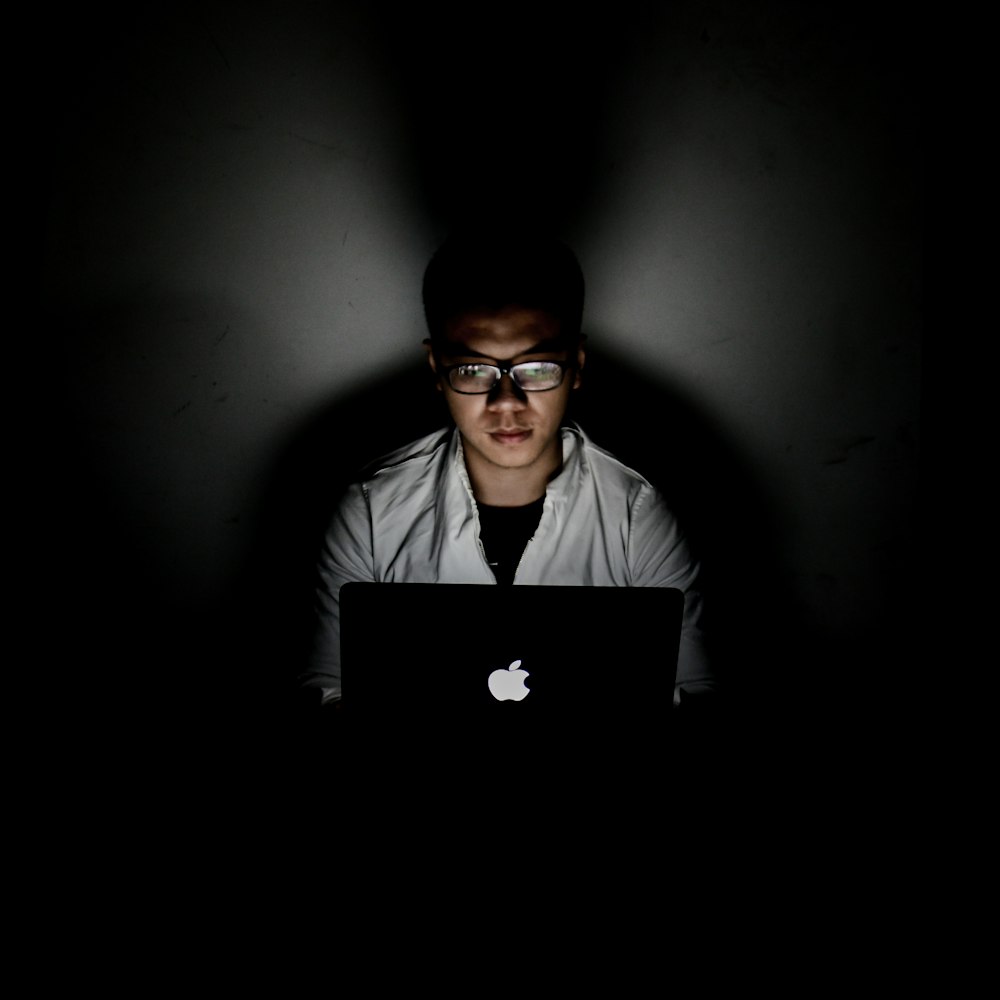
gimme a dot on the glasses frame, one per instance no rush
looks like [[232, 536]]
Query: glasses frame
[[502, 370]]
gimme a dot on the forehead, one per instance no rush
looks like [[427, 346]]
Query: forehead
[[502, 334]]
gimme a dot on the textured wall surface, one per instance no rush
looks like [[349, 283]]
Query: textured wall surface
[[240, 202]]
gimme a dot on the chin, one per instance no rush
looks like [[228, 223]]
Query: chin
[[510, 457]]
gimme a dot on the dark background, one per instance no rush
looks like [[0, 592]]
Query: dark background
[[229, 209]]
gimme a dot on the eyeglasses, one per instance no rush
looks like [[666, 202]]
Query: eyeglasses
[[531, 376]]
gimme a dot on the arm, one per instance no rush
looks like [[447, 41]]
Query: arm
[[659, 556], [346, 555]]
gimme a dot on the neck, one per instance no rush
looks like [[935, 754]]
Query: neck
[[499, 486]]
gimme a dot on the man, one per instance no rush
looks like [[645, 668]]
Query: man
[[513, 493]]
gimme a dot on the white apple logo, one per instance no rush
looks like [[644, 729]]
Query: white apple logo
[[508, 685]]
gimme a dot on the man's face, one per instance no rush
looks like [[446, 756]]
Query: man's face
[[508, 428]]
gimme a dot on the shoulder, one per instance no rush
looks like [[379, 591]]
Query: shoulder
[[411, 475], [401, 481], [411, 457], [606, 470]]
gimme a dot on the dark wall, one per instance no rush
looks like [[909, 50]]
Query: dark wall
[[238, 202]]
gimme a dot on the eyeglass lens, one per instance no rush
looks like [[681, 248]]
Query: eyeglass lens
[[531, 375]]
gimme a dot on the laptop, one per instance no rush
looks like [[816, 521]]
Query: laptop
[[564, 669]]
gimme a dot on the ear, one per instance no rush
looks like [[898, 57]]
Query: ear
[[432, 361], [580, 358]]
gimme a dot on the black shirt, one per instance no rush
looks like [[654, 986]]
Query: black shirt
[[504, 532]]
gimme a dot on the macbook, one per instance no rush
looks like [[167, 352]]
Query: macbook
[[559, 667]]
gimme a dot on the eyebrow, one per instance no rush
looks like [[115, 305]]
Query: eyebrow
[[553, 345]]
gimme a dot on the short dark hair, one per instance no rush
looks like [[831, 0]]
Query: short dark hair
[[488, 271]]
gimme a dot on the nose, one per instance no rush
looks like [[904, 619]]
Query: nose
[[505, 395]]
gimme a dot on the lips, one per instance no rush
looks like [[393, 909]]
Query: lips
[[510, 435]]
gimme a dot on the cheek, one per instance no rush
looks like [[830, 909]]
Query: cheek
[[460, 407], [557, 409]]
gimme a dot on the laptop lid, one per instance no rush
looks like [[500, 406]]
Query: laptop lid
[[526, 662]]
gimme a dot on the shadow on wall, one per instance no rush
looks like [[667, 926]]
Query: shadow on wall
[[649, 426], [157, 657], [272, 609], [751, 618]]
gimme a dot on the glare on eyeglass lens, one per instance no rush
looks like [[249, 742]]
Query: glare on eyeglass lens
[[531, 376]]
